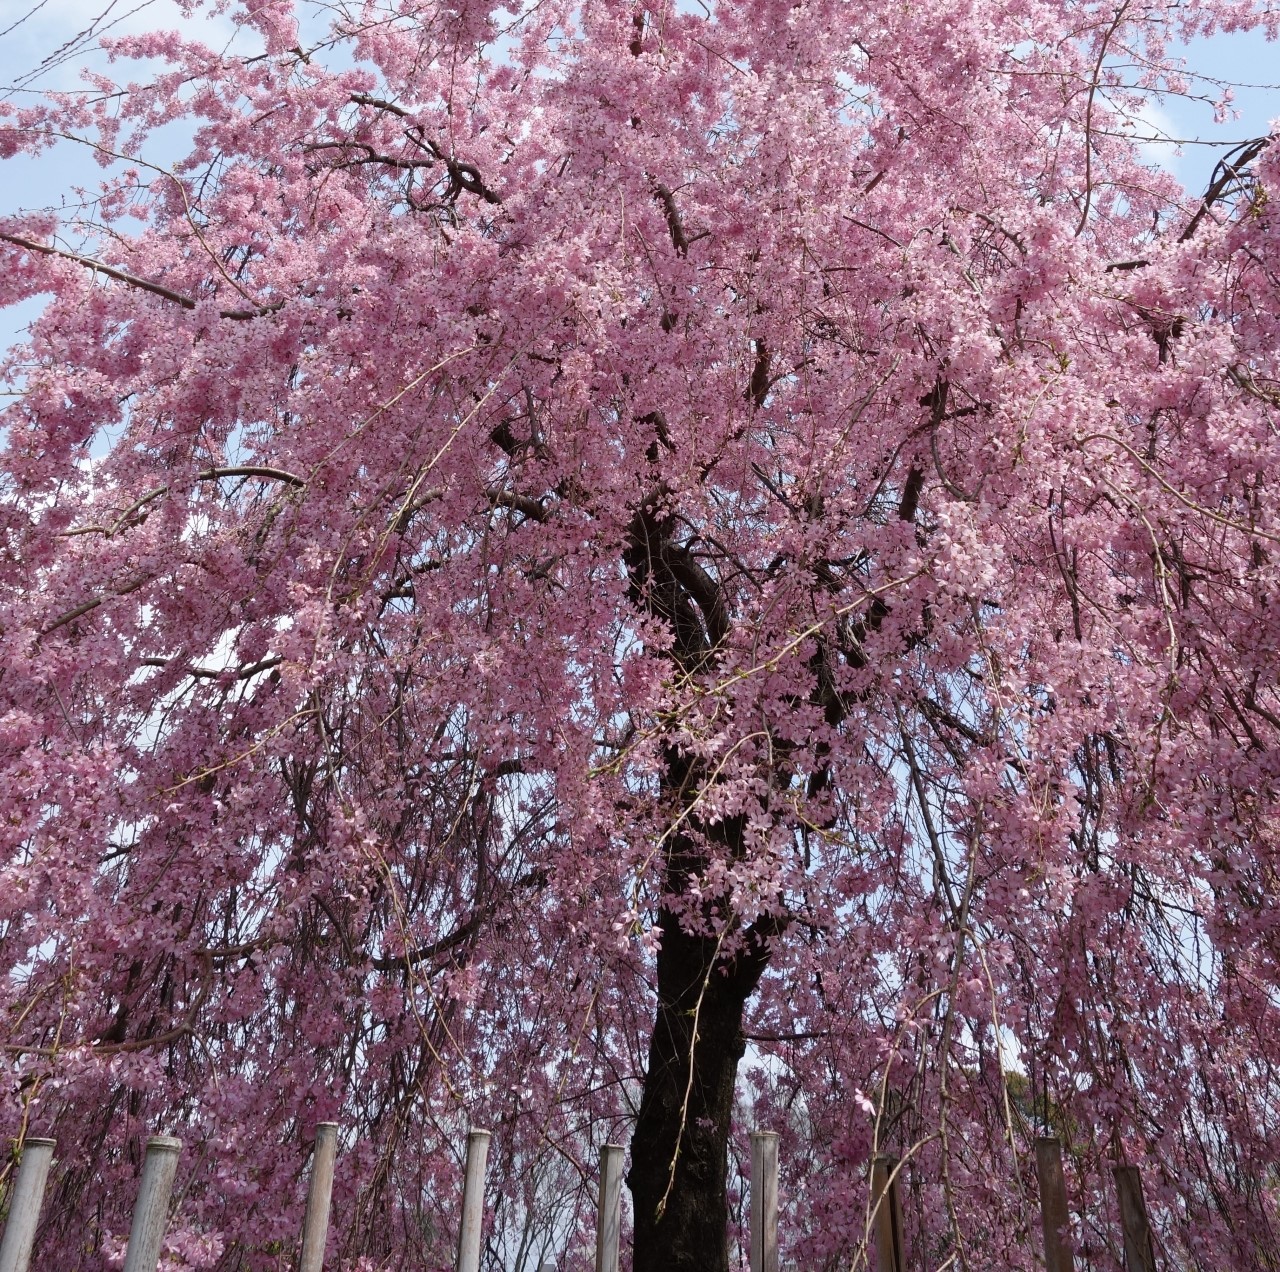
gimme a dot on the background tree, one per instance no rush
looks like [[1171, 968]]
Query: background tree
[[558, 545]]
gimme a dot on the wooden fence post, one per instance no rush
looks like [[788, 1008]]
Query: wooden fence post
[[24, 1205], [1054, 1216], [1139, 1252], [764, 1201], [473, 1202], [887, 1215], [315, 1224], [151, 1214], [609, 1211]]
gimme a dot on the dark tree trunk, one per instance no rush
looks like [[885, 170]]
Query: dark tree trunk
[[679, 1152], [680, 1148]]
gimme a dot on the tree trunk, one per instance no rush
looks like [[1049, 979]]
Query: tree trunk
[[680, 1148], [679, 1152]]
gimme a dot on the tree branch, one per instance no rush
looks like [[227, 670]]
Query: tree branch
[[465, 176], [132, 280], [675, 226], [1226, 171], [209, 474]]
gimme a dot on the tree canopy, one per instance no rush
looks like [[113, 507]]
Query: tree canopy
[[620, 571]]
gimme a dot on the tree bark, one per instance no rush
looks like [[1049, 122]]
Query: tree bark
[[679, 1152]]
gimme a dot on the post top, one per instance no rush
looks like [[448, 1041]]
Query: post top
[[164, 1143], [38, 1141]]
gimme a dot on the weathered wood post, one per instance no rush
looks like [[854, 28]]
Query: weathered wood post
[[609, 1211], [764, 1201], [1054, 1216], [24, 1204], [887, 1215], [473, 1202], [151, 1214], [1139, 1251], [315, 1224]]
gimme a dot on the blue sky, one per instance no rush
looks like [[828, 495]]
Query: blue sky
[[38, 49]]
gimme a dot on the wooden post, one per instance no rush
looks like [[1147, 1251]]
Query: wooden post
[[473, 1202], [151, 1214], [609, 1212], [315, 1225], [1054, 1215], [24, 1205], [887, 1216], [764, 1201], [1139, 1252]]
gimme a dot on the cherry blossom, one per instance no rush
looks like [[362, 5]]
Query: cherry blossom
[[624, 573]]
